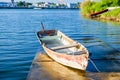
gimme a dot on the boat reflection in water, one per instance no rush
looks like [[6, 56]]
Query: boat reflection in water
[[44, 68]]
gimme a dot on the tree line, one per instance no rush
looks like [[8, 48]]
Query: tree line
[[23, 4]]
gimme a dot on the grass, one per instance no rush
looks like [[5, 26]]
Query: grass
[[113, 13], [88, 7]]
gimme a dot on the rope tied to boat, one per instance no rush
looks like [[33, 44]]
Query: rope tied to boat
[[94, 65]]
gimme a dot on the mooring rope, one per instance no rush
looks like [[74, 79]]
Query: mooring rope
[[94, 65]]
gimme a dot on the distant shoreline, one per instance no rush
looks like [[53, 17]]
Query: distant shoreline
[[16, 8], [33, 8]]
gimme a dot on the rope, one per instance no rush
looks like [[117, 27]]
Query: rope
[[94, 65]]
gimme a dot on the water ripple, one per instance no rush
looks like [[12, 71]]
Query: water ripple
[[18, 42]]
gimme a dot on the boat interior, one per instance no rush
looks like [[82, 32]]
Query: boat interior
[[54, 41]]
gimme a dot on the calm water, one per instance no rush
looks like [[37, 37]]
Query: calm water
[[18, 42]]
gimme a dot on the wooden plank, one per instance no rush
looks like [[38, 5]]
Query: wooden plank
[[64, 46]]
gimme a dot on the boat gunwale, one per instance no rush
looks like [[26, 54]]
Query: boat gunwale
[[57, 31]]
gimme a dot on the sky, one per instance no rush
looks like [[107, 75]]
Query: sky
[[35, 1]]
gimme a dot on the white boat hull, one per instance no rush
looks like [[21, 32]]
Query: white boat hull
[[78, 61]]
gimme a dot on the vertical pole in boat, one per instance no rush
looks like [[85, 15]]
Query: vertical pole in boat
[[42, 27]]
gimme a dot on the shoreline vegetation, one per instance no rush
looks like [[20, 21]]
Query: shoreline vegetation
[[34, 8], [89, 7]]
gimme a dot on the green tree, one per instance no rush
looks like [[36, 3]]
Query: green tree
[[27, 4], [20, 3], [23, 4], [111, 2]]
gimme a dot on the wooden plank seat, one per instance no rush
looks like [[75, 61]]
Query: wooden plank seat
[[64, 46], [76, 53]]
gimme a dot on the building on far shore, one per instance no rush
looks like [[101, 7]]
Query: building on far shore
[[8, 4], [56, 5], [4, 4], [73, 5], [42, 5], [50, 5], [13, 4]]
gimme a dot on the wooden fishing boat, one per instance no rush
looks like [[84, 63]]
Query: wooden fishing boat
[[63, 49]]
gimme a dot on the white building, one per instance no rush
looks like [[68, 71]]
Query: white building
[[68, 5], [41, 5]]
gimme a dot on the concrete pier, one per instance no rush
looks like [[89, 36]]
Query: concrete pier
[[44, 68]]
